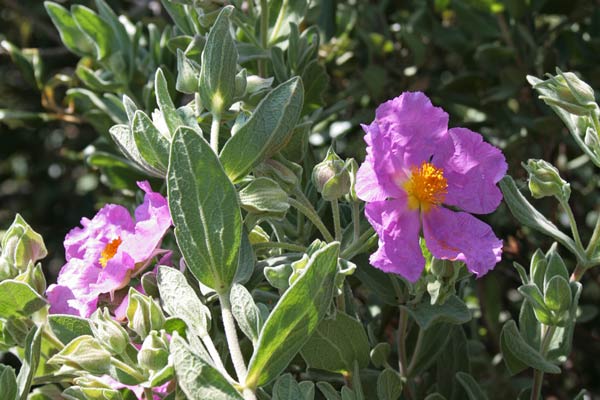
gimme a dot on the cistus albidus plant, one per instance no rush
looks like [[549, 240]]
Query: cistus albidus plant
[[259, 271]]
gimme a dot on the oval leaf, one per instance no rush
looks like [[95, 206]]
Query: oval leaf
[[295, 317], [205, 210], [266, 132], [18, 299]]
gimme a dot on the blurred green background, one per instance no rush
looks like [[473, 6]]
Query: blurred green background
[[470, 56]]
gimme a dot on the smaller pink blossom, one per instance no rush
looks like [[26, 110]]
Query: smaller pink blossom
[[421, 178], [107, 251]]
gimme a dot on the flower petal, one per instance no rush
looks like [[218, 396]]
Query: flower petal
[[398, 229], [417, 129], [58, 297], [459, 236], [473, 172]]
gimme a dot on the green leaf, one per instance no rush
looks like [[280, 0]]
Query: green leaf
[[119, 30], [518, 354], [18, 299], [525, 213], [328, 391], [281, 14], [557, 294], [433, 343], [556, 267], [68, 327], [180, 300], [389, 385], [188, 74], [246, 312], [336, 344], [308, 390], [380, 354], [165, 103], [97, 29], [205, 210], [219, 62], [70, 34], [529, 326], [197, 379], [454, 358], [522, 273], [123, 137], [536, 299], [8, 382], [264, 196], [286, 388], [453, 311], [471, 386], [295, 317], [152, 145], [30, 361], [266, 132]]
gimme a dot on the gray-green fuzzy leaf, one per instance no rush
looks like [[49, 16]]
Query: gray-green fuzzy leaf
[[97, 29], [246, 312], [152, 145], [180, 300], [336, 344], [197, 379], [514, 347], [471, 386], [18, 299], [218, 67], [389, 385], [165, 103], [295, 317], [453, 311], [266, 132], [70, 34], [205, 210], [30, 361], [69, 327]]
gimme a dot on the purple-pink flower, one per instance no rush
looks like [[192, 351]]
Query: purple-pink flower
[[107, 251], [415, 178]]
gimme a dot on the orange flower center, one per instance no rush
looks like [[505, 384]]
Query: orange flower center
[[426, 187], [109, 251]]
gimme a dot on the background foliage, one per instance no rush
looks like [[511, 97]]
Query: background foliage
[[470, 56]]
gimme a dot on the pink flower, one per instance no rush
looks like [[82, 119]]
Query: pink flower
[[109, 249], [416, 173]]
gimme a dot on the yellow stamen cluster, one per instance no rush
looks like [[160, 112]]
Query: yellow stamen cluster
[[427, 187], [109, 251]]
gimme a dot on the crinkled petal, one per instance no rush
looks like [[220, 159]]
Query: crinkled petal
[[116, 274], [398, 229], [460, 236], [152, 222], [58, 297], [417, 130], [473, 172], [109, 223]]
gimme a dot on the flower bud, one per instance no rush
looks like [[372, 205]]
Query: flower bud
[[21, 244], [34, 277], [144, 314], [154, 354], [544, 180], [84, 353], [109, 333], [331, 177], [567, 91], [352, 169], [90, 388]]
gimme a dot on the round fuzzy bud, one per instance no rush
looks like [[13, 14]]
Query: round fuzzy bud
[[331, 177], [154, 354], [544, 180]]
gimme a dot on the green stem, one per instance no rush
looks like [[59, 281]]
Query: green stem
[[264, 35], [538, 376], [214, 133], [365, 242], [311, 214], [48, 335], [355, 221], [593, 243], [148, 394], [127, 369], [234, 345], [280, 245], [214, 354], [337, 226], [565, 205], [416, 351], [577, 273], [279, 22], [402, 356]]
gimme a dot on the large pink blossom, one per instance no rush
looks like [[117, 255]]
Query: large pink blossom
[[416, 177], [107, 251]]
